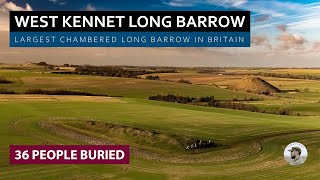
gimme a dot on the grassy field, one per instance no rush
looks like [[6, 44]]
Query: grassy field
[[253, 142], [19, 126], [112, 86], [296, 71], [308, 94], [228, 80]]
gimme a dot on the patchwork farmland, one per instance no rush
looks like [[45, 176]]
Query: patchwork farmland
[[117, 110]]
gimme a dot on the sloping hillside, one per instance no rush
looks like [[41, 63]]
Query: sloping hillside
[[255, 85]]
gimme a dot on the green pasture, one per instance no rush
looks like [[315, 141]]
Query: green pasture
[[19, 125], [126, 87], [254, 142]]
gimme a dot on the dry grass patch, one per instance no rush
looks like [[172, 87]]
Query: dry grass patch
[[255, 85], [23, 97]]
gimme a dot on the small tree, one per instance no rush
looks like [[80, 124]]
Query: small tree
[[184, 81], [42, 63], [284, 111], [4, 80], [153, 77]]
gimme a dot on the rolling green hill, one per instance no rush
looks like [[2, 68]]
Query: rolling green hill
[[244, 132], [250, 144]]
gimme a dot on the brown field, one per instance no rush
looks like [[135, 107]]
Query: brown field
[[23, 97], [225, 81]]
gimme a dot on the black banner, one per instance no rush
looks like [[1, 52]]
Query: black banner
[[130, 21]]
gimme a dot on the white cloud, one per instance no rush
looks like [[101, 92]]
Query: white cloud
[[307, 23], [316, 47], [291, 41], [90, 7], [181, 3], [260, 7], [296, 16], [261, 41], [6, 6], [58, 2], [239, 3]]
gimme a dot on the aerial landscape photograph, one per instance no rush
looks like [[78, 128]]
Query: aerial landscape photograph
[[186, 113]]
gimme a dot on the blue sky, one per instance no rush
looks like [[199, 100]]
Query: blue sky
[[281, 29], [298, 19]]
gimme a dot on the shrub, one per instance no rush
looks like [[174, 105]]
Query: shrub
[[184, 81], [109, 71], [92, 123], [206, 99], [173, 98], [42, 63], [59, 92], [152, 77], [265, 93], [4, 80], [233, 105], [212, 102], [5, 91], [284, 111], [251, 99]]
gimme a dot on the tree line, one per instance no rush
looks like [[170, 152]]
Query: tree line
[[212, 102], [51, 92], [59, 92], [111, 71], [291, 76], [278, 75]]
